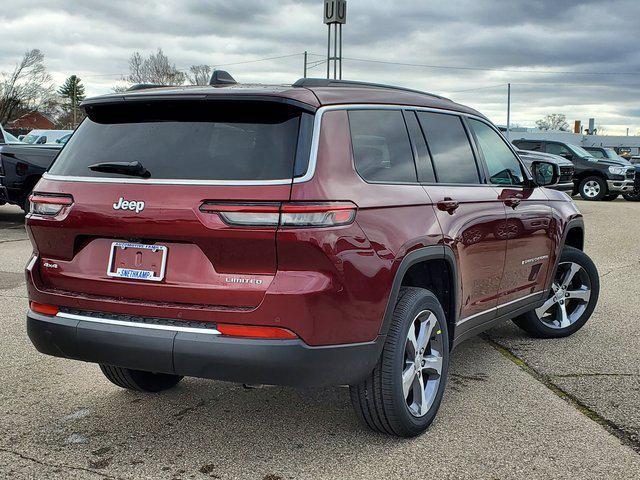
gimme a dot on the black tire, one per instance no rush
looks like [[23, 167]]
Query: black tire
[[532, 324], [378, 400], [26, 205], [588, 181], [610, 197], [632, 197], [139, 380]]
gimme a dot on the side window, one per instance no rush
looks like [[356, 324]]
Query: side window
[[453, 158], [423, 159], [597, 153], [504, 167], [526, 145], [381, 147], [557, 149]]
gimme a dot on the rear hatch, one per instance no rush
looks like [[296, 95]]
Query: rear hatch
[[146, 182]]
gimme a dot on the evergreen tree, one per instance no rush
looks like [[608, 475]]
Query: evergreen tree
[[73, 90]]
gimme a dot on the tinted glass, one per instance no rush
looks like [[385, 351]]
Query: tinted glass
[[596, 153], [525, 145], [504, 168], [423, 159], [557, 149], [451, 152], [381, 147], [192, 140]]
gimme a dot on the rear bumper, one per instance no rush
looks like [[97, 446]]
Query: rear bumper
[[620, 185], [200, 352]]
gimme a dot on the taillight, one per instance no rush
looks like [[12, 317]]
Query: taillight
[[317, 214], [44, 309], [245, 214], [252, 331], [49, 204], [285, 215]]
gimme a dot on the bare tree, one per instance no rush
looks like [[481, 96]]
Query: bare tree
[[199, 74], [156, 68], [28, 86], [554, 121]]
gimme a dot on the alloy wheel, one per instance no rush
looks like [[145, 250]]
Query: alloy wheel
[[570, 294], [423, 357], [591, 189]]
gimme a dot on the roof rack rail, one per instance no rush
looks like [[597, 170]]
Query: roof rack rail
[[144, 86], [220, 78], [328, 82]]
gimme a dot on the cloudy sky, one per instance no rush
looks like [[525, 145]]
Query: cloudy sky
[[580, 58]]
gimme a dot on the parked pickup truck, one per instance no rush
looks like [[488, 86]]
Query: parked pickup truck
[[594, 178], [566, 168], [610, 154], [21, 166]]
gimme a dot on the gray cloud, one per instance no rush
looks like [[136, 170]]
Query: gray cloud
[[94, 39]]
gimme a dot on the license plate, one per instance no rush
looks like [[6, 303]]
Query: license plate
[[137, 261]]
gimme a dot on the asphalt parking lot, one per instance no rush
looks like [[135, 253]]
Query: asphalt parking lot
[[515, 407]]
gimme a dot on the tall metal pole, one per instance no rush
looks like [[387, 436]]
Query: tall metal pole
[[335, 51], [340, 54], [328, 49], [305, 65], [508, 110]]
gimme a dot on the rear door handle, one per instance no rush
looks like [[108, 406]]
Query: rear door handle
[[448, 205], [514, 201]]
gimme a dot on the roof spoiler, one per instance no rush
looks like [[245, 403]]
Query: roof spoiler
[[220, 78]]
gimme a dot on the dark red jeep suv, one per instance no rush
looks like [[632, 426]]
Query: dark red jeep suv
[[322, 233]]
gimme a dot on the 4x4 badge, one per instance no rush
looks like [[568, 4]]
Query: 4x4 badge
[[123, 204]]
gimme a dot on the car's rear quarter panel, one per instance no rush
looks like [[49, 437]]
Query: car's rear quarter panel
[[392, 220]]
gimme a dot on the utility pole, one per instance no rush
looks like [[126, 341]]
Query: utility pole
[[74, 97], [508, 110], [335, 14], [305, 65]]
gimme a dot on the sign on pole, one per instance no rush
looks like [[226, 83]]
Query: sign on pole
[[335, 11]]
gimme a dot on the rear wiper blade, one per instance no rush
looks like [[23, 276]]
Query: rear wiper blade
[[135, 169]]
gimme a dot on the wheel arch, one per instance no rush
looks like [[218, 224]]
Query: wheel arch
[[574, 236], [433, 268], [590, 173]]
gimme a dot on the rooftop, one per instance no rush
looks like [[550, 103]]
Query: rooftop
[[310, 92]]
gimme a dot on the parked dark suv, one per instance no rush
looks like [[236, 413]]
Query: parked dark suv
[[322, 233], [595, 179]]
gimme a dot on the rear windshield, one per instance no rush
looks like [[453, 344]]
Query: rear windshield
[[191, 140]]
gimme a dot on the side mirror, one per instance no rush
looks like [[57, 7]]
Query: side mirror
[[568, 156], [545, 173]]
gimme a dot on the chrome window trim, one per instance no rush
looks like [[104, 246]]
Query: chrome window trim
[[151, 326], [311, 168], [496, 308]]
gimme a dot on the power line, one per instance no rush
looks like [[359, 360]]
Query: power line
[[185, 69], [551, 84], [256, 60], [483, 69]]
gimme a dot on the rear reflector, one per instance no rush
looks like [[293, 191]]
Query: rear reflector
[[286, 215], [43, 308], [49, 204], [251, 331]]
